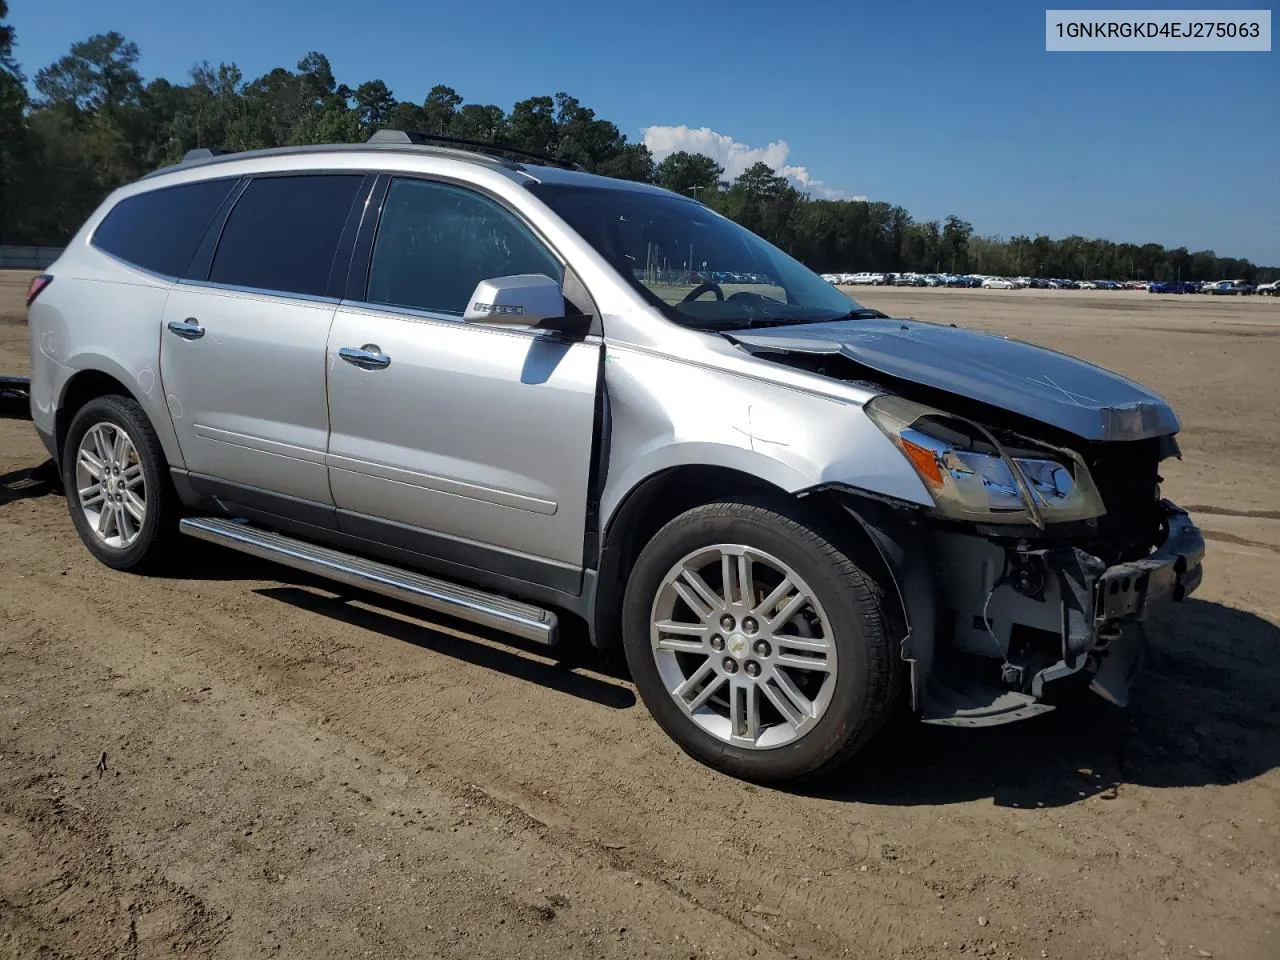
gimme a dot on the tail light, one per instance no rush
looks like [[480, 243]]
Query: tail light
[[37, 286]]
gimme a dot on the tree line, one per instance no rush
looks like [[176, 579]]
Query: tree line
[[94, 124]]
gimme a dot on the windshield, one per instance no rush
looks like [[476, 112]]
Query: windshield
[[701, 269]]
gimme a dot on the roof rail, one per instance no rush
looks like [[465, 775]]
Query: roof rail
[[500, 150], [205, 153]]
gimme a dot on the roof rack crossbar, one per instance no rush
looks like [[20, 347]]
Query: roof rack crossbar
[[389, 135]]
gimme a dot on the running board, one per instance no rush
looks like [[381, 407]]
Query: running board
[[475, 606]]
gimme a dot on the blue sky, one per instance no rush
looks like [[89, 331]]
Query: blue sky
[[939, 106]]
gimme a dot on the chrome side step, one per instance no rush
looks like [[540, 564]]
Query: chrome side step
[[475, 606]]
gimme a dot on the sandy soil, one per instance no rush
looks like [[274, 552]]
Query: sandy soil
[[233, 761]]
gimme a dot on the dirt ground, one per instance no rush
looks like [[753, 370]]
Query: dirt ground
[[231, 760]]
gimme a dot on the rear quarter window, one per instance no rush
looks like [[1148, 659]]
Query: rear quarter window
[[159, 230]]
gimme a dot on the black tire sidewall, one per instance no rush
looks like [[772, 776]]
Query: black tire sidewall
[[851, 709], [127, 415]]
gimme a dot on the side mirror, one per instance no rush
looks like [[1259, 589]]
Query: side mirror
[[523, 300]]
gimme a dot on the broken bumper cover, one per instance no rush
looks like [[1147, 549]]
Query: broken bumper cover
[[1103, 610], [1128, 591]]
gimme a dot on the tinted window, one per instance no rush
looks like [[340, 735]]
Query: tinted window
[[283, 233], [436, 242], [160, 230]]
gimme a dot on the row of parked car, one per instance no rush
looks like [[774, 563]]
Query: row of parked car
[[1237, 287], [1220, 287]]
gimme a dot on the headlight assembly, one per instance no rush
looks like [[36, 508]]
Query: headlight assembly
[[972, 476]]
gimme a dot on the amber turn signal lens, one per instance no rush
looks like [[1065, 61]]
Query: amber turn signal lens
[[925, 462]]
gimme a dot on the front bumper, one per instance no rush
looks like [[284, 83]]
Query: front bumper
[[1085, 618], [1128, 591]]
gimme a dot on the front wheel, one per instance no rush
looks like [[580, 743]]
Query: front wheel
[[759, 643]]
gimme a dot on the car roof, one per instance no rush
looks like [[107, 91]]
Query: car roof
[[309, 156]]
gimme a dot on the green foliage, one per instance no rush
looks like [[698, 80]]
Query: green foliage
[[689, 173], [96, 126]]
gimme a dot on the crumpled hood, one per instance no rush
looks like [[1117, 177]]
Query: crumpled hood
[[1035, 382]]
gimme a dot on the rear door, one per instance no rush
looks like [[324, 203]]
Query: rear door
[[465, 442], [243, 341]]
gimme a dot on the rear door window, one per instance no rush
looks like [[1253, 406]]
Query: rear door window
[[283, 233], [159, 230], [436, 242]]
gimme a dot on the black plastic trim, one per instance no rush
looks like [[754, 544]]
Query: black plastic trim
[[464, 555], [202, 260], [236, 500], [362, 249], [341, 265], [522, 577]]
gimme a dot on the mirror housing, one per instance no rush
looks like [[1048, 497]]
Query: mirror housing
[[522, 300]]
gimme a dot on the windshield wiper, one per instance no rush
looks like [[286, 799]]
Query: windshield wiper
[[755, 323], [861, 313]]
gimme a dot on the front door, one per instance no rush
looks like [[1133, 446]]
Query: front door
[[465, 442]]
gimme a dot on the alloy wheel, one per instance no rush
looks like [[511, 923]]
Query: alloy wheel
[[743, 646]]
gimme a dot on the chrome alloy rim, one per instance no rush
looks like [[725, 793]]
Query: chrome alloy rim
[[110, 484], [743, 646]]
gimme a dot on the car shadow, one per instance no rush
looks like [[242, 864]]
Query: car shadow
[[557, 668], [1206, 711], [30, 482]]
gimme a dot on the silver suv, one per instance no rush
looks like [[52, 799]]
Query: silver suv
[[529, 397]]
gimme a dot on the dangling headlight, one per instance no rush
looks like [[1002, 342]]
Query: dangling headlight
[[972, 476]]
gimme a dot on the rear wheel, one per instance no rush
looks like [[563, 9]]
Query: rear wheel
[[758, 643], [117, 484]]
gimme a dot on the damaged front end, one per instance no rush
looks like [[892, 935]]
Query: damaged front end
[[1048, 544], [1013, 616], [997, 617]]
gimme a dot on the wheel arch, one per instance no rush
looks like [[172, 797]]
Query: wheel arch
[[665, 494], [104, 378]]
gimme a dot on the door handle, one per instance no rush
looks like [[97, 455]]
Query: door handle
[[368, 357], [188, 329]]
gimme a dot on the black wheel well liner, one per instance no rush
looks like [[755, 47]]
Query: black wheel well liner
[[662, 496], [83, 386]]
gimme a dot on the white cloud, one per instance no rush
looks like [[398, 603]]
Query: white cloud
[[736, 157]]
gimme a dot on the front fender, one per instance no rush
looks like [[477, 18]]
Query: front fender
[[668, 413]]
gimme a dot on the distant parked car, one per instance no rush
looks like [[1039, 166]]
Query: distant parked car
[[1174, 286], [1087, 285], [998, 283], [910, 280], [1271, 289]]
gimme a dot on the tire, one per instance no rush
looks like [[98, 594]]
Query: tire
[[850, 697], [143, 475]]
